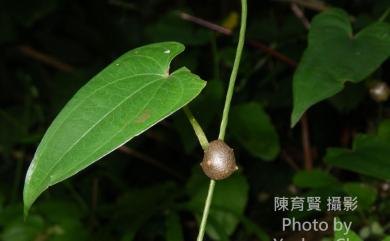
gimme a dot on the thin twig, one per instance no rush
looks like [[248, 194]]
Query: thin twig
[[305, 134], [205, 23], [300, 15], [273, 52], [307, 154], [290, 161], [315, 5], [45, 58], [225, 31], [131, 152]]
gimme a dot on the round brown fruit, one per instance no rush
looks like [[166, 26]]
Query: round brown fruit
[[219, 161]]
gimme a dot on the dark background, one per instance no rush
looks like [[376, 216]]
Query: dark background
[[50, 48]]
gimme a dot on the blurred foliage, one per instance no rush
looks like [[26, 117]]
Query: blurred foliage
[[156, 190]]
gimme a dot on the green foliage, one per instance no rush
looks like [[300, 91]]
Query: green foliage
[[369, 156], [148, 192], [351, 235], [314, 179], [229, 201], [174, 230], [126, 98], [57, 221], [336, 55], [364, 193], [384, 130], [253, 129]]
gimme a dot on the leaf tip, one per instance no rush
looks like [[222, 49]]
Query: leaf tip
[[295, 117], [26, 209]]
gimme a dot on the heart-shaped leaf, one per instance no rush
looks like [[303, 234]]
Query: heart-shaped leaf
[[129, 96], [335, 55]]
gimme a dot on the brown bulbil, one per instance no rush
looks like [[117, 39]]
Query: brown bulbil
[[218, 161]]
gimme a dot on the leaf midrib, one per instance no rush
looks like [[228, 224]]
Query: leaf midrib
[[99, 121], [54, 131], [143, 108]]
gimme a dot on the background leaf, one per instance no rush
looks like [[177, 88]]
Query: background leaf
[[314, 179], [369, 156], [229, 201], [366, 195], [351, 235], [126, 98], [336, 55], [253, 129], [174, 230]]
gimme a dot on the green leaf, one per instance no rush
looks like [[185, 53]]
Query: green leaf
[[314, 179], [369, 156], [14, 228], [174, 230], [23, 230], [340, 235], [253, 228], [336, 55], [253, 128], [229, 201], [384, 130], [366, 195], [386, 239], [129, 96]]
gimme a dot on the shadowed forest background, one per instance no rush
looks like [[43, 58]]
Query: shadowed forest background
[[152, 188]]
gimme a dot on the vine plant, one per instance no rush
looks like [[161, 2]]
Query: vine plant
[[129, 96]]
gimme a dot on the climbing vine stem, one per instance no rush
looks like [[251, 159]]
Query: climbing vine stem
[[233, 76], [225, 114]]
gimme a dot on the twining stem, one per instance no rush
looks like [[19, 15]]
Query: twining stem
[[225, 114], [233, 75], [197, 128], [206, 210]]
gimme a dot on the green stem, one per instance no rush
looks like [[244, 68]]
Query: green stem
[[384, 16], [206, 211], [225, 114], [197, 128], [233, 76]]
